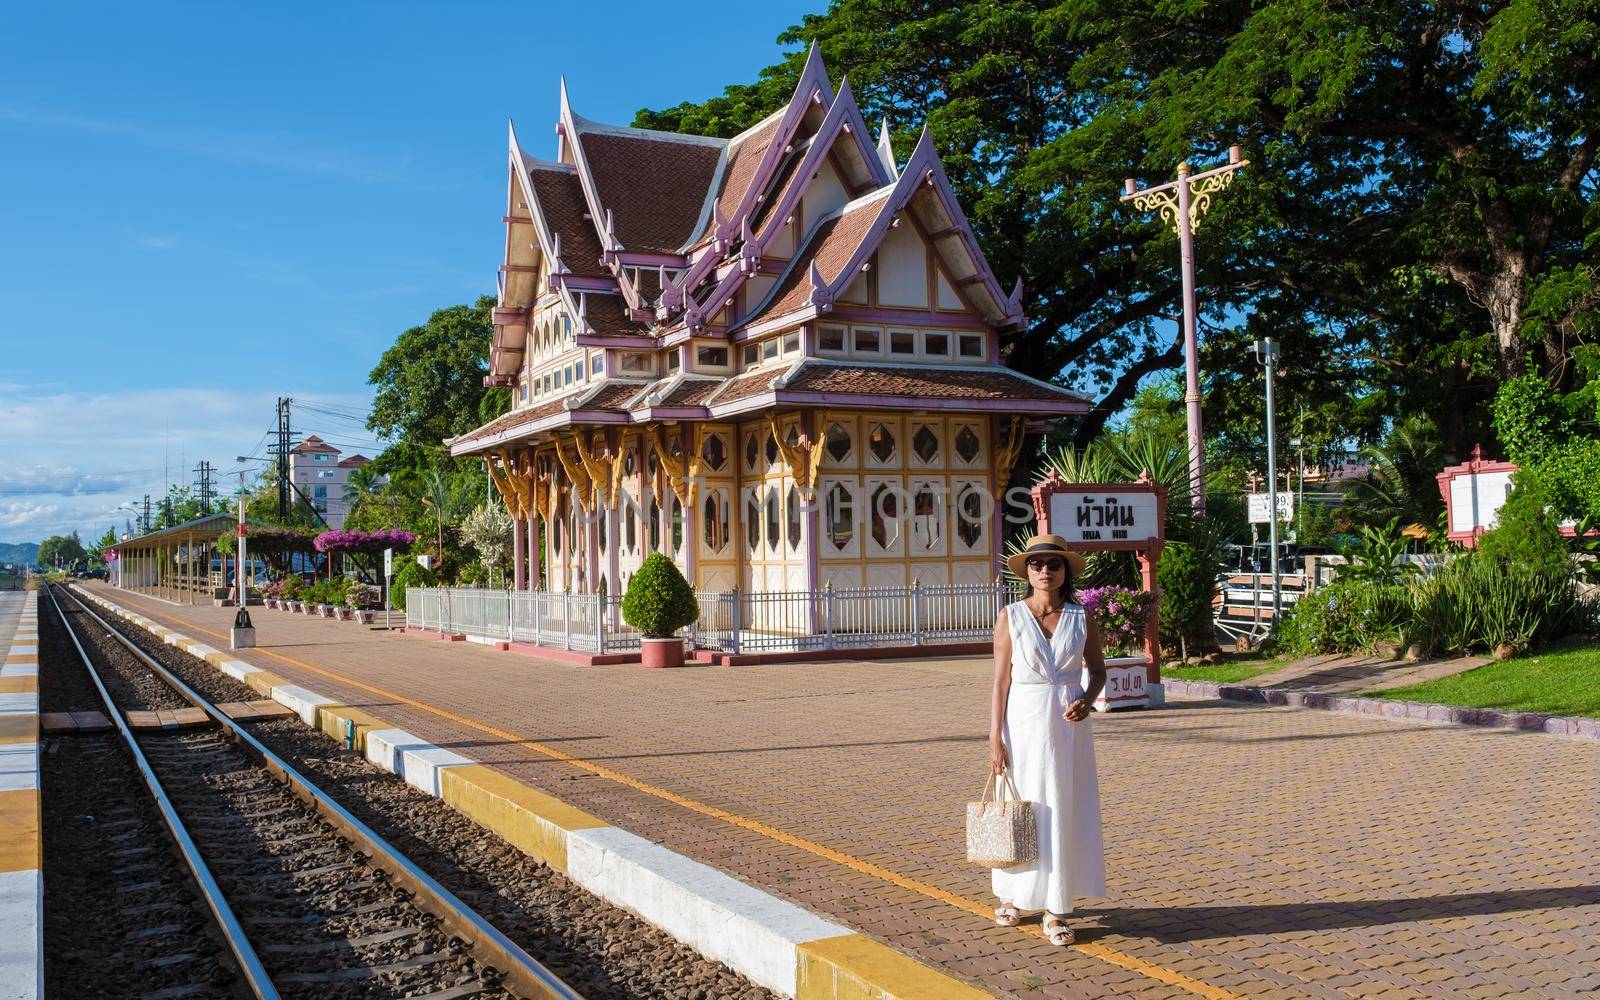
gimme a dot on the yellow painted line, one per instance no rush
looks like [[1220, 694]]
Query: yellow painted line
[[19, 685], [21, 659], [19, 727], [528, 819], [331, 719], [19, 830], [854, 965], [1105, 953]]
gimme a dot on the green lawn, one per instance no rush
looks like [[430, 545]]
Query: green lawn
[[1562, 682], [1234, 669]]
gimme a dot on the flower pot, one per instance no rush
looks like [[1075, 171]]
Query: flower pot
[[346, 614], [293, 607], [366, 617], [661, 652], [308, 608]]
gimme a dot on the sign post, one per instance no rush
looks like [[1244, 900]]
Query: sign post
[[243, 633], [1114, 517], [388, 571]]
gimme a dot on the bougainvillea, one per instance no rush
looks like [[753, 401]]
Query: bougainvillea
[[1121, 613], [372, 542], [268, 540]]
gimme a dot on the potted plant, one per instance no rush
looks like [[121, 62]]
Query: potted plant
[[658, 603], [291, 592], [361, 602]]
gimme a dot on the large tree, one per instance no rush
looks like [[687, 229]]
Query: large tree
[[1414, 225], [430, 383], [62, 551]]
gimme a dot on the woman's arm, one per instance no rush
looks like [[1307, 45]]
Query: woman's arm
[[1095, 661], [998, 761]]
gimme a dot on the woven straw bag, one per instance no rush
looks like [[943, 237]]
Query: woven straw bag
[[1001, 831]]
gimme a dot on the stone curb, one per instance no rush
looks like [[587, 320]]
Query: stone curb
[[21, 830], [770, 941], [1414, 711]]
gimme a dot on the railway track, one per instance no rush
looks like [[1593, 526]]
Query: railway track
[[304, 899]]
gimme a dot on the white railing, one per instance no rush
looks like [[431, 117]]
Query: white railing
[[730, 621]]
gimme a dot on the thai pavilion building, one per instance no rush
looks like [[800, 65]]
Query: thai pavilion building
[[774, 358]]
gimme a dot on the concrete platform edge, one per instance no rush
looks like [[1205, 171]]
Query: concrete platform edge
[[21, 826], [784, 947]]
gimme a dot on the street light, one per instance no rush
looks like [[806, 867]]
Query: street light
[[1181, 203], [1267, 356]]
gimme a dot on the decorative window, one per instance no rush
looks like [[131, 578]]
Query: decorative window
[[791, 437], [936, 345], [772, 450], [594, 363], [791, 342], [630, 528], [752, 522], [752, 451], [655, 524], [969, 517], [600, 529], [970, 345], [716, 521], [881, 443], [830, 339], [524, 390], [772, 518], [793, 526], [715, 452], [841, 514], [711, 357], [837, 442], [925, 444], [752, 354], [769, 349], [968, 445], [677, 527], [635, 363], [886, 516], [902, 342], [927, 519], [674, 362], [868, 340]]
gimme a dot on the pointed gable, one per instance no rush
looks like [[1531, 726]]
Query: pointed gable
[[559, 195]]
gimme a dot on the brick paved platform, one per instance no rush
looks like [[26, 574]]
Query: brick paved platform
[[1253, 852]]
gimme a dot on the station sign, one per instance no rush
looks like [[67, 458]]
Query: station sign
[[1099, 515]]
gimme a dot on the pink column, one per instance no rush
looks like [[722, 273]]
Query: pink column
[[535, 567]]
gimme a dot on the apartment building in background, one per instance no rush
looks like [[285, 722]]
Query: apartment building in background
[[323, 478]]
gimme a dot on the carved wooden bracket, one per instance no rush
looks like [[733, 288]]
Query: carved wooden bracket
[[803, 458], [675, 469], [600, 474], [502, 485], [1010, 449], [582, 487]]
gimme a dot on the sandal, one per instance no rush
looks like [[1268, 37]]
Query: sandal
[[1056, 930], [1007, 916]]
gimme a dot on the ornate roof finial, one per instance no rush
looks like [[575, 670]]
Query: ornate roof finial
[[886, 150], [821, 297]]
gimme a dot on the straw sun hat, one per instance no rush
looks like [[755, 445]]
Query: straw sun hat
[[1044, 545]]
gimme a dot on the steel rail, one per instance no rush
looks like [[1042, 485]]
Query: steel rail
[[255, 974], [524, 971]]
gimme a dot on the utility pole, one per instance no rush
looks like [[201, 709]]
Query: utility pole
[[1181, 203], [146, 529], [203, 488], [280, 451], [1267, 354]]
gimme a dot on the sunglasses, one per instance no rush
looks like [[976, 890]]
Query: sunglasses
[[1051, 565]]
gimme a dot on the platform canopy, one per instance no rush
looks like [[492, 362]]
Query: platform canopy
[[175, 562]]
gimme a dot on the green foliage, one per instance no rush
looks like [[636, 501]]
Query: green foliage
[[430, 383], [1187, 578], [1376, 557], [293, 587], [64, 551], [332, 591], [1479, 603], [1381, 292], [1527, 536], [1401, 486], [410, 574], [1342, 617], [659, 601], [1529, 419], [491, 532], [105, 541]]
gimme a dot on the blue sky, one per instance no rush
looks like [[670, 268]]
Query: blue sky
[[211, 205]]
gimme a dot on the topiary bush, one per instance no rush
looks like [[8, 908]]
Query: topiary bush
[[411, 574], [1187, 579], [659, 601]]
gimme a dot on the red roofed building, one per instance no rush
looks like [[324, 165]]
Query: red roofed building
[[773, 357]]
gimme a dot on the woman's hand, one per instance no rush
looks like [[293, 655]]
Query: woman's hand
[[1078, 710], [999, 760]]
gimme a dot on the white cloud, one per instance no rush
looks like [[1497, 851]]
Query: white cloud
[[68, 458], [158, 242]]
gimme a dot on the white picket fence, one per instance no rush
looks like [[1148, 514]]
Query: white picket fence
[[730, 621]]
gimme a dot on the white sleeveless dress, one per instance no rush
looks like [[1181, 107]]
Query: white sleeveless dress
[[1052, 765]]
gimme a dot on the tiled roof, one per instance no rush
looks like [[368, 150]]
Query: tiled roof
[[609, 396], [654, 188], [747, 385], [560, 195], [831, 245], [691, 392], [927, 381], [608, 314], [743, 160], [314, 443], [612, 395], [354, 461]]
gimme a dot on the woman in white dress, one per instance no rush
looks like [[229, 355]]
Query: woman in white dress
[[1040, 732]]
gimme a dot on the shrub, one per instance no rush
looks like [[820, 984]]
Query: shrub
[[1529, 418], [1481, 602], [1377, 557], [293, 588], [1343, 617], [361, 596], [1187, 579], [1527, 536], [1121, 613], [659, 601], [412, 574]]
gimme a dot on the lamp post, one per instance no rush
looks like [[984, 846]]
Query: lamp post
[[243, 633], [1267, 355], [1181, 203]]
